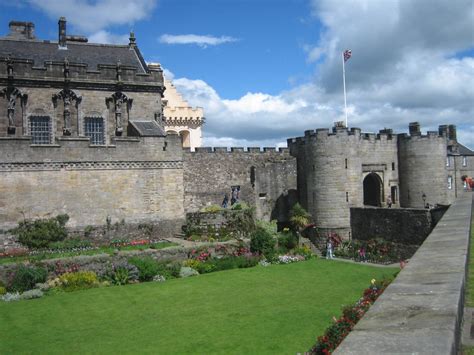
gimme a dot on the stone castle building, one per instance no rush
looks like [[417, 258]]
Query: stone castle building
[[82, 131], [181, 118]]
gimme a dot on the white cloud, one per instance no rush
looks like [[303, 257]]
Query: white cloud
[[103, 36], [404, 68], [201, 41], [94, 15]]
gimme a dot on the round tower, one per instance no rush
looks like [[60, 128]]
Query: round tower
[[422, 162]]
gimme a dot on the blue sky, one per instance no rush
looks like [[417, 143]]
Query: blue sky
[[266, 70]]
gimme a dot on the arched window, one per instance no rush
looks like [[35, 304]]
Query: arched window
[[40, 129], [185, 139], [94, 129]]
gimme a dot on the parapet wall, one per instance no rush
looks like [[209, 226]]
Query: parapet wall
[[421, 311], [267, 179], [135, 180], [399, 225]]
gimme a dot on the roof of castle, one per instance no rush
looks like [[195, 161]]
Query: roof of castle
[[463, 150], [84, 53]]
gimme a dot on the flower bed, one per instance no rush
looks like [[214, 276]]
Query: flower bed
[[341, 327]]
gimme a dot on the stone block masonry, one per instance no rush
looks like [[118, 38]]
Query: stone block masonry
[[399, 225], [421, 311], [139, 183], [267, 179]]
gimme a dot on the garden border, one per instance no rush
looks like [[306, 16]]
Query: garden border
[[422, 309]]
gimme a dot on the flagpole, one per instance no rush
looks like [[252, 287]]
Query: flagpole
[[344, 82]]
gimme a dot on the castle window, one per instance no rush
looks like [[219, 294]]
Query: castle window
[[393, 166], [252, 176], [347, 196], [450, 182], [448, 161], [40, 128], [346, 163], [262, 195], [394, 194], [94, 129], [464, 161]]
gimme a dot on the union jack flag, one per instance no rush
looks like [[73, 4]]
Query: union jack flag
[[347, 54]]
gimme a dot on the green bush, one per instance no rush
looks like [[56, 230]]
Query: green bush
[[147, 267], [41, 232], [262, 242], [70, 244], [73, 281], [3, 290], [121, 273], [287, 240], [26, 277]]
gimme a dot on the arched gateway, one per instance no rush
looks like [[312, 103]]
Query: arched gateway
[[373, 190]]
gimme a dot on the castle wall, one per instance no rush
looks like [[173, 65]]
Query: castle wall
[[269, 186], [422, 162], [135, 180], [333, 166]]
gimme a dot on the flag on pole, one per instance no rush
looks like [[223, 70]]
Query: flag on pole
[[347, 54]]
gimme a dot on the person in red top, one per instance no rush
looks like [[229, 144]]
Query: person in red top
[[468, 181]]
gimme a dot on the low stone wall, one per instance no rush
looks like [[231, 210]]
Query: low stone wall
[[421, 311], [400, 225], [223, 223]]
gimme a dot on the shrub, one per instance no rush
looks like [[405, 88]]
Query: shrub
[[304, 251], [73, 281], [41, 232], [28, 295], [70, 244], [187, 271], [192, 263], [147, 267], [26, 277], [240, 206], [3, 290], [121, 273], [9, 297], [287, 241], [261, 242], [299, 217]]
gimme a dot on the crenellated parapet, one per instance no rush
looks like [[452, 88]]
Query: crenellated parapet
[[249, 150]]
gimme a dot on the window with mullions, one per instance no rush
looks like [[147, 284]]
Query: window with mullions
[[94, 129], [40, 128]]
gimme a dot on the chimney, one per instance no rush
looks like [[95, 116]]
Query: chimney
[[62, 33], [452, 132], [132, 40], [414, 129], [21, 30]]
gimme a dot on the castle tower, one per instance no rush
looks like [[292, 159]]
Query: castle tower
[[423, 174], [342, 169], [181, 118]]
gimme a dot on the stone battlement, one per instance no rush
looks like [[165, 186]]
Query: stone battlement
[[229, 150]]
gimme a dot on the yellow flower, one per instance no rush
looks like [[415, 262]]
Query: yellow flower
[[372, 281]]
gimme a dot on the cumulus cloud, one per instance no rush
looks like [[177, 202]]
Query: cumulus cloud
[[199, 40], [405, 67], [103, 36], [94, 15]]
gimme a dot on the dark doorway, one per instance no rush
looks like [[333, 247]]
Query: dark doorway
[[372, 190]]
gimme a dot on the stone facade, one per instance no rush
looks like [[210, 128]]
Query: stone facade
[[267, 179], [82, 131], [181, 118], [345, 168]]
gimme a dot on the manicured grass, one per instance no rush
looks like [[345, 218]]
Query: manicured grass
[[101, 250], [279, 309]]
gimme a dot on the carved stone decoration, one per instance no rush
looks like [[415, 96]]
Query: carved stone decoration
[[66, 69], [10, 67], [67, 96], [118, 99], [12, 94], [119, 71]]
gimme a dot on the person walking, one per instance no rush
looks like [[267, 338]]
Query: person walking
[[329, 249]]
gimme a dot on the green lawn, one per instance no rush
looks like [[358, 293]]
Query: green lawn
[[280, 309]]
